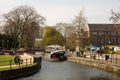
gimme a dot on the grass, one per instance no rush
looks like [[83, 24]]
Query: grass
[[5, 57], [5, 60]]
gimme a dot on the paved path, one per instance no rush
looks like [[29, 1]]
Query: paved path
[[27, 58]]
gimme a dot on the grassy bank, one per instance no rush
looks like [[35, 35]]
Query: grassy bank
[[5, 60]]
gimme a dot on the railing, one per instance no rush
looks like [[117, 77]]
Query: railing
[[109, 58], [24, 70], [11, 63], [112, 59]]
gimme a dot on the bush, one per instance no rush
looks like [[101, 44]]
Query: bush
[[117, 52], [1, 53], [114, 52], [87, 48], [106, 50]]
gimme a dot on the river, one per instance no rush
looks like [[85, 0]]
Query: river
[[69, 71]]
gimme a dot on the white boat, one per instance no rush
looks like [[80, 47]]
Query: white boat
[[58, 55]]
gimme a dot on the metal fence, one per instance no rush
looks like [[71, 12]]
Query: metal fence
[[112, 59], [11, 63]]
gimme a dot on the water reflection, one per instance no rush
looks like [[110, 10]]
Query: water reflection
[[69, 71]]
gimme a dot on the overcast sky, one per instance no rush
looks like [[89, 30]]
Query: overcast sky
[[96, 11]]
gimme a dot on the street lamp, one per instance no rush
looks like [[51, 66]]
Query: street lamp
[[90, 50], [110, 50]]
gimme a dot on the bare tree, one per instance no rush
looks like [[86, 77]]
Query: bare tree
[[79, 23], [19, 20], [33, 31], [67, 31], [115, 17]]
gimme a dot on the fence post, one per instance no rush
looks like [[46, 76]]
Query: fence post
[[30, 60], [10, 64], [26, 61], [111, 58], [116, 59]]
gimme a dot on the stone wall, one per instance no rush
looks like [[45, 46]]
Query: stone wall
[[97, 64]]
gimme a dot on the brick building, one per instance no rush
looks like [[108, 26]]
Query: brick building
[[104, 34]]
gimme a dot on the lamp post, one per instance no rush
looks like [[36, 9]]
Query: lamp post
[[90, 50], [110, 50]]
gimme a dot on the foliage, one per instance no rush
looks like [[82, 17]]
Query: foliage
[[87, 48], [67, 30], [52, 36], [107, 50], [113, 52], [117, 52], [23, 23], [7, 41], [1, 53], [71, 44]]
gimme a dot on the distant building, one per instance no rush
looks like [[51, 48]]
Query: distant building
[[101, 34], [104, 34]]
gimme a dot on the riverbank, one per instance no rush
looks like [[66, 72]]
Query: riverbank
[[104, 65], [30, 67]]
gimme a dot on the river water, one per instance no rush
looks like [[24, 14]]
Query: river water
[[69, 71]]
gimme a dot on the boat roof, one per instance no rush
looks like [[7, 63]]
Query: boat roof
[[57, 51]]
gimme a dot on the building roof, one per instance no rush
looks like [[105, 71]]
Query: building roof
[[104, 27]]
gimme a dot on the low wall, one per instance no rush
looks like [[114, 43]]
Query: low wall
[[20, 72], [97, 64]]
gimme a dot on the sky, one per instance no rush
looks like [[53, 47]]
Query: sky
[[55, 11]]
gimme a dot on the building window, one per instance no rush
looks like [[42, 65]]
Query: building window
[[113, 41], [118, 40], [113, 33], [101, 33], [107, 33], [107, 41], [94, 33], [118, 33], [94, 40]]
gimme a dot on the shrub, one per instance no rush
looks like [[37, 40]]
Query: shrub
[[107, 50], [114, 52], [1, 53], [87, 48], [117, 52]]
